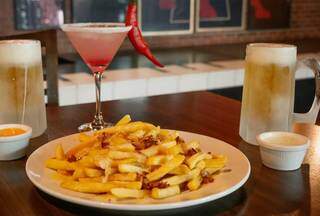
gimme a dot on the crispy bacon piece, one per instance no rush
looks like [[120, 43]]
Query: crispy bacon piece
[[103, 139], [207, 179], [145, 142], [179, 140], [71, 158], [191, 152], [184, 186], [105, 144], [156, 184]]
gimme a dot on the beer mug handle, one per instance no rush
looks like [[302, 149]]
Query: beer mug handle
[[311, 116]]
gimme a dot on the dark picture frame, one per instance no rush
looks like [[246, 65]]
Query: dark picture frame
[[217, 15], [38, 14], [166, 17], [268, 14], [99, 10]]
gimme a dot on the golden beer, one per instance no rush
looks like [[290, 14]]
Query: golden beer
[[268, 93], [21, 85]]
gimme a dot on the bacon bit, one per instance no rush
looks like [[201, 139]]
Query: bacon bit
[[149, 141], [138, 145], [184, 186], [179, 140], [207, 179], [65, 172], [145, 142], [153, 168], [103, 136], [105, 144], [140, 176], [191, 152], [156, 184], [71, 158]]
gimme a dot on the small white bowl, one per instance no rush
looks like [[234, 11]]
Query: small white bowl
[[282, 150], [14, 147]]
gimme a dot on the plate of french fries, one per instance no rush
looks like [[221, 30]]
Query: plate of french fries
[[137, 165]]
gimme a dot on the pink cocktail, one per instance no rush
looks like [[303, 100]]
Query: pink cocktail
[[97, 43]]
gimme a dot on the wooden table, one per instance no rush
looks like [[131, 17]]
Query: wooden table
[[267, 192]]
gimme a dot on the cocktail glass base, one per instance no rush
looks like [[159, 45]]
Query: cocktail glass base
[[93, 127]]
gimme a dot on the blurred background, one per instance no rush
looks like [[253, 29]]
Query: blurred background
[[201, 42]]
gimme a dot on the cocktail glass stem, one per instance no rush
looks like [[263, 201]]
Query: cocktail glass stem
[[98, 122], [98, 118]]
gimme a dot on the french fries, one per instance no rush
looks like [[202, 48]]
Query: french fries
[[60, 165], [59, 152], [124, 120], [133, 160], [166, 192], [129, 168], [166, 168], [123, 177], [127, 193]]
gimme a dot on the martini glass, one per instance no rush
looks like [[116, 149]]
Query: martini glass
[[97, 43]]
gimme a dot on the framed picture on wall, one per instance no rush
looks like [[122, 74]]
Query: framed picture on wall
[[268, 14], [38, 14], [216, 15], [165, 17], [99, 10]]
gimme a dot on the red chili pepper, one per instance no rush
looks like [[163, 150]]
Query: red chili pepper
[[135, 34]]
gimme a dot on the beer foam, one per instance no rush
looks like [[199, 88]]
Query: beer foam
[[271, 53], [20, 52], [96, 27]]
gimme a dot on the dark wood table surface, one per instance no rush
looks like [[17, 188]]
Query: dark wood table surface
[[267, 192]]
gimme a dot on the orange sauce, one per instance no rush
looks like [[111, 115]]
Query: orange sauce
[[11, 132]]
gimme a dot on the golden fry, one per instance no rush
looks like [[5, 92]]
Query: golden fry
[[166, 168], [190, 145], [81, 149], [105, 198], [216, 162], [88, 187], [195, 183], [115, 163], [158, 159], [153, 150], [87, 179], [78, 173], [124, 120], [83, 137], [174, 150], [59, 152], [117, 140], [180, 170], [157, 193], [130, 185], [129, 168], [127, 193], [194, 159], [119, 154], [90, 172], [136, 135], [87, 161], [123, 177], [60, 165], [126, 147]]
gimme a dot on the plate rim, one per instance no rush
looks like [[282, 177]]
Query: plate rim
[[140, 207]]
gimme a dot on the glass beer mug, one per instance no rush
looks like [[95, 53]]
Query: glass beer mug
[[268, 91], [21, 85]]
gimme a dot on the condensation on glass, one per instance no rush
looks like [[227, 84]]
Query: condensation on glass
[[21, 84]]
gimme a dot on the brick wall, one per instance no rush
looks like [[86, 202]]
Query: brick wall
[[305, 23]]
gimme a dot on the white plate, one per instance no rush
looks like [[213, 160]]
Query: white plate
[[224, 183]]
